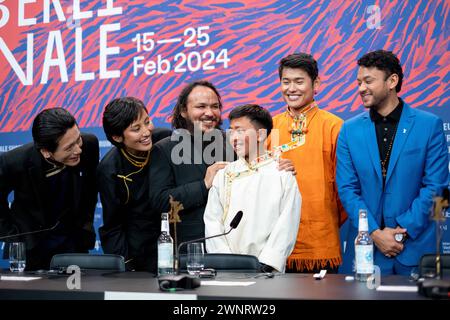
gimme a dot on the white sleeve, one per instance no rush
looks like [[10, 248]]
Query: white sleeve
[[283, 237], [213, 218]]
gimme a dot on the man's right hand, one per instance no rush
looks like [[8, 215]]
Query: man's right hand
[[211, 172], [385, 241]]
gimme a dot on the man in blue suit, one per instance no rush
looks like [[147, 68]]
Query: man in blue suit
[[391, 161]]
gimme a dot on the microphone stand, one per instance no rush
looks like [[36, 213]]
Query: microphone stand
[[177, 252], [28, 233], [176, 281]]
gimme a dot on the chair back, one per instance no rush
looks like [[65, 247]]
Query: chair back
[[111, 262], [227, 262], [427, 265]]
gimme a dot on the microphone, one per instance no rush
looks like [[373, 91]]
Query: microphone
[[180, 282], [29, 232], [233, 225], [236, 220]]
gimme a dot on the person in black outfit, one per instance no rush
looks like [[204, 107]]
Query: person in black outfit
[[130, 226], [53, 180]]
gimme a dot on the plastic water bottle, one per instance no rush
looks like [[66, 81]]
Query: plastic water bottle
[[363, 249], [165, 247]]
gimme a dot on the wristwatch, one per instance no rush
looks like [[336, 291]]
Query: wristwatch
[[400, 237]]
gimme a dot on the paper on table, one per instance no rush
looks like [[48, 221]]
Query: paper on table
[[398, 288], [227, 283], [16, 278]]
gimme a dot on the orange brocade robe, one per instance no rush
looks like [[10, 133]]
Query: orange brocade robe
[[321, 213]]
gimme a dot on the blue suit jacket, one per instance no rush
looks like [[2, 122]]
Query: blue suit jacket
[[418, 170]]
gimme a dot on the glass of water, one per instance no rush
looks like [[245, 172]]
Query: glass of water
[[17, 258], [195, 258], [414, 275]]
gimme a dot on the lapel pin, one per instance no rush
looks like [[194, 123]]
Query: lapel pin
[[404, 130]]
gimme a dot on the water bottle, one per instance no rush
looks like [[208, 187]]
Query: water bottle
[[165, 247], [363, 249]]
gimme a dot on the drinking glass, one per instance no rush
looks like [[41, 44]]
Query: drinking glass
[[195, 258], [17, 258]]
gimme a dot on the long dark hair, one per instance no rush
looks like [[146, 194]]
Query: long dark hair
[[178, 122]]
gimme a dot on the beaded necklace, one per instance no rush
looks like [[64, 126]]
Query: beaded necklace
[[298, 129]]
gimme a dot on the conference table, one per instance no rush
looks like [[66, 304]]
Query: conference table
[[101, 285]]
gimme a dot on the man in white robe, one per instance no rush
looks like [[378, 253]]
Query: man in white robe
[[269, 198]]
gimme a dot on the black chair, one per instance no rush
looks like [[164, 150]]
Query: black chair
[[110, 262], [427, 265], [227, 262]]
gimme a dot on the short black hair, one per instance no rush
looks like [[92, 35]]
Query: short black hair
[[259, 116], [385, 61], [119, 114], [302, 61], [178, 122], [49, 126]]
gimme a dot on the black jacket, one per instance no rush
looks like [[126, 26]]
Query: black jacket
[[184, 182], [130, 226], [22, 172]]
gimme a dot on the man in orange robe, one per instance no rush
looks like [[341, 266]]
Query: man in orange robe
[[308, 136]]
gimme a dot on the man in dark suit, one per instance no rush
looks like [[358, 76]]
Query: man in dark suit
[[53, 180]]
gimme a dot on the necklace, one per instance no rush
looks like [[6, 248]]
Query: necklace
[[136, 161], [388, 154], [298, 126], [298, 129]]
